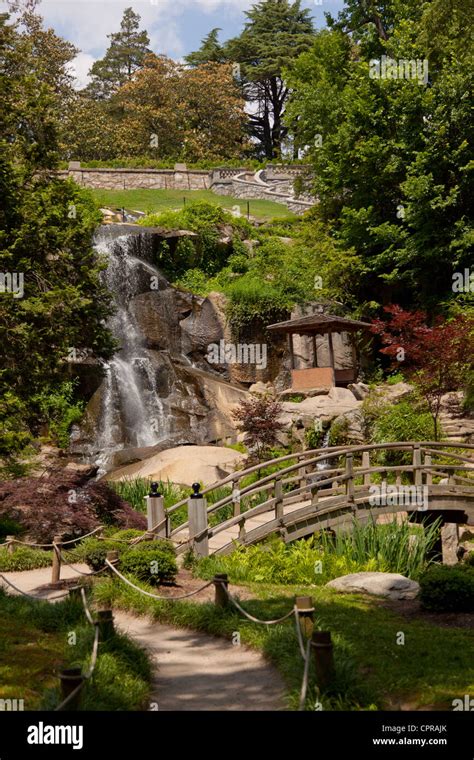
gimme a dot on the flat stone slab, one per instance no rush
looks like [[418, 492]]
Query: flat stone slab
[[390, 585]]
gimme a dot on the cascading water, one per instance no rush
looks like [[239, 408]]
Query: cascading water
[[132, 413]]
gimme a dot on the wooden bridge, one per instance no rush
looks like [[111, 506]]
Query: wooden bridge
[[327, 488]]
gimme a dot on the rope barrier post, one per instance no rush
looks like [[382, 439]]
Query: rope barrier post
[[10, 542], [198, 525], [105, 622], [305, 610], [56, 568], [323, 655], [71, 679], [155, 511], [221, 583]]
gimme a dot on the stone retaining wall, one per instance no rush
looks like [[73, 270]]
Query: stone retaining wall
[[273, 183], [133, 179]]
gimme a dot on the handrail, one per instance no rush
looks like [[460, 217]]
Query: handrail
[[328, 453]]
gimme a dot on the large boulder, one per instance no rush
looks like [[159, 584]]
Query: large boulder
[[390, 585], [184, 464]]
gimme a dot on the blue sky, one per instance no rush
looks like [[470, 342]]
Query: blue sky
[[176, 27]]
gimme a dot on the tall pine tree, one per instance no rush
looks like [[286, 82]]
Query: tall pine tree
[[275, 34], [125, 54]]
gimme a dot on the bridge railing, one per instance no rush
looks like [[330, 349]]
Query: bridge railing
[[319, 474]]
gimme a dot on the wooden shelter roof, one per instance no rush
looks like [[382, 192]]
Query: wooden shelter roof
[[319, 324]]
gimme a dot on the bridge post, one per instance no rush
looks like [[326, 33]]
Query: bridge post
[[429, 475], [278, 499], [417, 472], [236, 497], [198, 525], [365, 466], [155, 510], [350, 477]]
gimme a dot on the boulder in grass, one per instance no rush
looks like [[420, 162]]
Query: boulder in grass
[[390, 585]]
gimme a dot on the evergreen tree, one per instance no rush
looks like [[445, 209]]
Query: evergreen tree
[[276, 33], [125, 54], [211, 51]]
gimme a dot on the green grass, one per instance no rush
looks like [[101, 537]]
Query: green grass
[[24, 558], [34, 644], [163, 200], [434, 666]]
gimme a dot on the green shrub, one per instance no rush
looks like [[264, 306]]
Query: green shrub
[[339, 433], [24, 558], [469, 559], [9, 527], [127, 534], [152, 562], [448, 588], [94, 552], [61, 410]]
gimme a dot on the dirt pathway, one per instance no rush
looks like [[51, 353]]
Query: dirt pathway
[[195, 671], [191, 670]]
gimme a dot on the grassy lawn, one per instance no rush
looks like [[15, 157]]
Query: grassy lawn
[[35, 640], [163, 200], [433, 667]]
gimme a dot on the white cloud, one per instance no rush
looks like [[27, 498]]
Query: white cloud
[[80, 67]]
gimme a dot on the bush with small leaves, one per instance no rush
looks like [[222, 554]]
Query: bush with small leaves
[[448, 588], [151, 561]]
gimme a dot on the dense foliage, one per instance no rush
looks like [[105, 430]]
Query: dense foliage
[[448, 589], [52, 299]]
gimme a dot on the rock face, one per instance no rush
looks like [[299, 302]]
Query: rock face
[[160, 389], [184, 464], [390, 585]]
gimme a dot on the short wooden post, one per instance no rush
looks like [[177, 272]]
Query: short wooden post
[[155, 510], [105, 622], [365, 466], [323, 655], [70, 679], [305, 610], [278, 499], [56, 568], [417, 472], [428, 474], [221, 584], [350, 477], [198, 525], [10, 542]]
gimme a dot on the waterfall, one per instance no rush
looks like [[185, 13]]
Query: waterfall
[[324, 464], [132, 414]]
